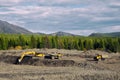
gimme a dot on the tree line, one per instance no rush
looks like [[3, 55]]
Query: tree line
[[110, 44]]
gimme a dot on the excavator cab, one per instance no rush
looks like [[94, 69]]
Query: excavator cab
[[98, 57]]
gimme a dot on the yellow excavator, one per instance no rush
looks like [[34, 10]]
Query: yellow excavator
[[30, 53], [99, 57]]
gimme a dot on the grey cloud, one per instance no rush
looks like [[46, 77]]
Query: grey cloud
[[75, 16]]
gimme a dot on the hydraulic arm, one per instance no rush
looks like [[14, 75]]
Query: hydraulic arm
[[26, 53]]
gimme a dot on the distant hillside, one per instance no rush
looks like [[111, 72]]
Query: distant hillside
[[39, 33], [6, 27], [113, 34], [60, 33]]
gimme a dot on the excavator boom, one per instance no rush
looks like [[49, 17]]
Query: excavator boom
[[24, 54], [32, 53]]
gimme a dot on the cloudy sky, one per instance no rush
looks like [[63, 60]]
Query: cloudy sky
[[81, 17]]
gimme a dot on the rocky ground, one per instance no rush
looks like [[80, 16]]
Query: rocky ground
[[74, 65]]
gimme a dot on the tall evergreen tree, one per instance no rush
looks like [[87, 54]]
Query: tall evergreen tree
[[81, 45], [33, 42], [21, 40]]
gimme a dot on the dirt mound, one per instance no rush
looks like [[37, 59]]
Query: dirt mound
[[101, 77], [36, 62], [48, 62], [8, 59], [89, 65]]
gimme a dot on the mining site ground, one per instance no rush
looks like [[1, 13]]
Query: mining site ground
[[74, 65]]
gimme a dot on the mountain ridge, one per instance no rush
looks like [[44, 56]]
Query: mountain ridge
[[111, 34], [6, 27], [9, 28], [61, 33]]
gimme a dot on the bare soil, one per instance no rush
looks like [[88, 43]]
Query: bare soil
[[74, 65]]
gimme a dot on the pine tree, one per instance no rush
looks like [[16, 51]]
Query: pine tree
[[21, 40], [33, 42], [81, 45], [45, 42]]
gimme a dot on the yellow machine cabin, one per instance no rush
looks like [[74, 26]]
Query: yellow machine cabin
[[100, 57]]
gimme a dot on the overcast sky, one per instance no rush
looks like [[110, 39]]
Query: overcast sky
[[81, 17]]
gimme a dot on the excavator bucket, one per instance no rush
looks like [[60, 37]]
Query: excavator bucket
[[25, 59]]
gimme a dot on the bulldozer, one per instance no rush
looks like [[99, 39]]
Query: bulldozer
[[99, 57], [25, 56]]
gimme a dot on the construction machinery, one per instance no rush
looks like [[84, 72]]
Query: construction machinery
[[30, 54], [53, 56], [99, 57]]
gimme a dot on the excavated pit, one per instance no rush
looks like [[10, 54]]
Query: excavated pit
[[36, 62], [47, 62]]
